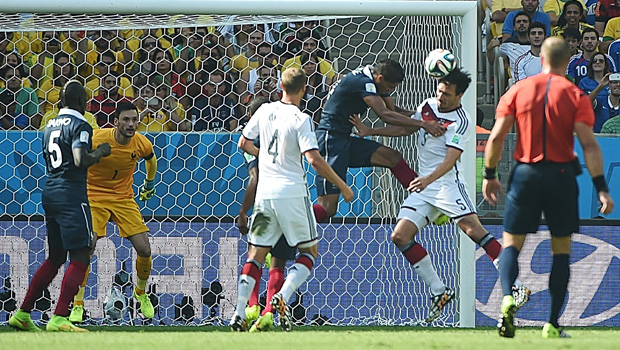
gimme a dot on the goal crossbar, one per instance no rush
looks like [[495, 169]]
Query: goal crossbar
[[247, 7]]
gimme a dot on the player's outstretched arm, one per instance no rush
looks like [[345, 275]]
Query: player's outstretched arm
[[389, 102], [594, 161], [392, 130], [322, 168], [394, 118], [82, 158], [147, 191]]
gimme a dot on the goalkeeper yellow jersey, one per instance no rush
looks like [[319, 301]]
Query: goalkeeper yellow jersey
[[112, 177]]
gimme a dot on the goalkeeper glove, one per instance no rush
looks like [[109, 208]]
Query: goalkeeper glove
[[148, 190]]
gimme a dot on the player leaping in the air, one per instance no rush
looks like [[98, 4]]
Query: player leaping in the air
[[111, 196], [369, 86], [440, 187]]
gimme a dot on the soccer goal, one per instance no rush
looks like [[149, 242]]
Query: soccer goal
[[360, 277]]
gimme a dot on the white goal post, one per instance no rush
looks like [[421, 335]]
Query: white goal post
[[467, 44]]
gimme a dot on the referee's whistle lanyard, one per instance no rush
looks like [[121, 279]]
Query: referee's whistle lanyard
[[544, 121]]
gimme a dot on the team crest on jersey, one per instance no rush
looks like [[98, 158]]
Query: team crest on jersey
[[428, 114], [84, 136], [370, 87], [133, 155]]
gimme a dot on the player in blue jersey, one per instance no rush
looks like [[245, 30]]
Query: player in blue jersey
[[353, 94], [578, 64], [67, 152]]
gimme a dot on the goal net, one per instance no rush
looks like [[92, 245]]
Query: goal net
[[169, 64]]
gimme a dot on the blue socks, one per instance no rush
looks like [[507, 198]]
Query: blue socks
[[508, 268], [558, 282]]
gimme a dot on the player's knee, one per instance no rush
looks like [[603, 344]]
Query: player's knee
[[144, 252], [386, 157], [82, 255], [329, 204], [330, 211], [398, 238], [394, 157], [58, 260], [277, 262]]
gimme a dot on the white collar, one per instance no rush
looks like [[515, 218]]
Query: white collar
[[368, 72], [73, 112]]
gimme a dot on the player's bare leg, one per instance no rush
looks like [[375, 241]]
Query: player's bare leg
[[144, 263], [329, 202], [404, 238], [388, 158]]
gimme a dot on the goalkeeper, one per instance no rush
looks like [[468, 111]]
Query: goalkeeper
[[111, 196]]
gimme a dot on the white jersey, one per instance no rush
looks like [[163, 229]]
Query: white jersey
[[285, 134], [513, 49], [432, 150], [526, 66]]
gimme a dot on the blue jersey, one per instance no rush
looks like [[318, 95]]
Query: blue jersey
[[346, 98], [62, 134], [614, 52], [578, 67], [588, 85], [603, 110], [591, 11]]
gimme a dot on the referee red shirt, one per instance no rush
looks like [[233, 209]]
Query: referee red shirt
[[551, 138]]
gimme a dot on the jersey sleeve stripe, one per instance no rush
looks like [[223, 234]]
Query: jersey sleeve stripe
[[464, 124]]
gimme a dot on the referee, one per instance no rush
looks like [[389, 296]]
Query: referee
[[548, 109]]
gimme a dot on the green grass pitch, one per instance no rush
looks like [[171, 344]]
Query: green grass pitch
[[311, 338]]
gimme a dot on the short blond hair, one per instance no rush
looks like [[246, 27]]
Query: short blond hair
[[555, 52], [293, 80]]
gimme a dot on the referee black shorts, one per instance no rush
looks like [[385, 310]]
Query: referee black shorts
[[542, 187]]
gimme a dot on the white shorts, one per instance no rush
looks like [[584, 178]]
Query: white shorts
[[291, 217], [424, 207]]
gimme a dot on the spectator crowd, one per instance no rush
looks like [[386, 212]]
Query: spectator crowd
[[180, 79], [592, 31]]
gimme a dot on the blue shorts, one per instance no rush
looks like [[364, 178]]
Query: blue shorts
[[542, 187], [283, 251], [342, 152], [68, 220]]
